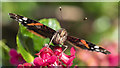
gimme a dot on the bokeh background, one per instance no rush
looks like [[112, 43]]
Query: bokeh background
[[101, 27]]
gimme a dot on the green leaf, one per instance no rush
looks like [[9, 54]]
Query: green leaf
[[4, 50], [28, 43], [26, 55], [4, 46], [52, 23]]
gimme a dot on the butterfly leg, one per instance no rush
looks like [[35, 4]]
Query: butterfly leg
[[66, 47], [52, 39]]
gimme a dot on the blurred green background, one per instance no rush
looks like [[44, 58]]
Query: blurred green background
[[101, 27]]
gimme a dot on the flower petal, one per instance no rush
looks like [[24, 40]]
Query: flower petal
[[70, 62], [68, 59], [45, 55], [57, 50], [27, 65], [52, 59], [38, 61], [20, 66], [45, 49], [15, 61], [72, 51], [13, 53]]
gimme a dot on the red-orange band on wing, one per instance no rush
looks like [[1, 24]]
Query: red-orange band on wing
[[84, 42], [32, 24], [36, 33]]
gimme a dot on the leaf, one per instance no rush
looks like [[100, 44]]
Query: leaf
[[4, 46], [28, 43], [26, 55], [4, 50], [52, 23]]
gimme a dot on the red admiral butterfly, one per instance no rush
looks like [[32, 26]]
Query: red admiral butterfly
[[46, 32]]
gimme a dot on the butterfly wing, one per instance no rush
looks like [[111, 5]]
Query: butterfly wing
[[80, 43], [35, 27]]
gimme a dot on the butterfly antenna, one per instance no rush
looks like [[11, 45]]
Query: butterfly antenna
[[60, 9]]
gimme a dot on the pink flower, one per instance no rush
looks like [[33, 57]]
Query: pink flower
[[113, 57], [15, 58], [25, 65], [66, 59], [51, 58], [45, 57], [48, 57]]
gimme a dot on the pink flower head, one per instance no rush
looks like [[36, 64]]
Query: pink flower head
[[66, 59], [113, 58], [15, 58], [25, 65], [48, 57]]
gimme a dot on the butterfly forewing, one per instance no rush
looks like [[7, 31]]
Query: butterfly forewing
[[33, 26]]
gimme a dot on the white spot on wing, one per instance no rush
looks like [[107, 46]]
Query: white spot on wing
[[24, 18], [92, 48], [96, 46], [25, 22], [20, 19], [97, 50]]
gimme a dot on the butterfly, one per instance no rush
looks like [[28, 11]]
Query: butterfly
[[44, 31]]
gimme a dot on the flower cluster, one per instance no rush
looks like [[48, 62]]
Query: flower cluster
[[48, 57], [15, 58]]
